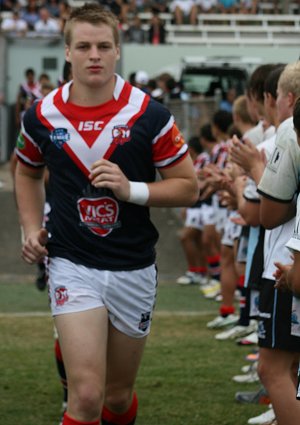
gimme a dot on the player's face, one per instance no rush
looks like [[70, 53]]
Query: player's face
[[252, 110], [282, 105], [92, 53]]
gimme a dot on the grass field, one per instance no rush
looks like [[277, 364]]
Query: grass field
[[185, 378]]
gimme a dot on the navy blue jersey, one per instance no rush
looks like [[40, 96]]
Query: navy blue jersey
[[90, 226]]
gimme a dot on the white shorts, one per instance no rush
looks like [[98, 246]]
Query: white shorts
[[184, 5], [208, 215], [128, 296], [193, 218], [221, 213], [197, 218], [232, 232]]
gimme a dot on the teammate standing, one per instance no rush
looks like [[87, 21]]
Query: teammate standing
[[102, 141]]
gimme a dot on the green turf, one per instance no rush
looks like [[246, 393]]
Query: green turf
[[185, 377]]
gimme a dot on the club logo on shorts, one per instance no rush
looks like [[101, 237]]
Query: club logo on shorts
[[100, 215], [61, 295], [145, 321], [261, 332], [121, 134], [59, 136]]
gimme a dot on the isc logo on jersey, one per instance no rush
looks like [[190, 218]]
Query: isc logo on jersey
[[90, 125]]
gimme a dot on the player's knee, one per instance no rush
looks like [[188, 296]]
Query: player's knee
[[183, 235], [89, 398], [264, 373], [118, 400]]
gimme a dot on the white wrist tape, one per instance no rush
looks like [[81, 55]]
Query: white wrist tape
[[139, 193]]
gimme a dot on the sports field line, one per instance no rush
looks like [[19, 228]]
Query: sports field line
[[161, 313]]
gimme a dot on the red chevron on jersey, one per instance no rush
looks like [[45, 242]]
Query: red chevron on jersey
[[100, 121]]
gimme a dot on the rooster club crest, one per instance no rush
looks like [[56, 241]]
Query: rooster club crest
[[61, 295], [121, 134], [100, 215], [59, 136]]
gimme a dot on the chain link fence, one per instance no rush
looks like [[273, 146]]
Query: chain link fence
[[192, 114]]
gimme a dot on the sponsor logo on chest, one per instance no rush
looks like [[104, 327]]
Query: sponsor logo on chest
[[90, 125], [100, 215]]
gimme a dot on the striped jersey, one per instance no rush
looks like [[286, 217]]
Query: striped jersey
[[90, 226]]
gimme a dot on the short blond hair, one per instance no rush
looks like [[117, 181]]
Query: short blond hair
[[94, 14], [240, 108], [289, 80]]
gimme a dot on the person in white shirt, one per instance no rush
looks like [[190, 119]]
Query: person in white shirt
[[14, 24], [278, 187], [46, 24]]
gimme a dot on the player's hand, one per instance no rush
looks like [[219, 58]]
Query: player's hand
[[281, 276], [106, 174], [34, 247], [244, 154]]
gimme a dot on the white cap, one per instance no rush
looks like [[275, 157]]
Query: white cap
[[141, 77]]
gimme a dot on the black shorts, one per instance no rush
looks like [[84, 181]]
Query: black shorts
[[275, 318]]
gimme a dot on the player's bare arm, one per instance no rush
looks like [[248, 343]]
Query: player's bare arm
[[31, 198], [179, 186], [273, 213]]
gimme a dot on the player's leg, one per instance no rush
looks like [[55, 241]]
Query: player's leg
[[191, 242], [274, 369], [124, 355], [130, 299], [61, 370], [83, 340], [81, 320]]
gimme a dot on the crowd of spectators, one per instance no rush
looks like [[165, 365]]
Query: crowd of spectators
[[45, 17], [41, 17]]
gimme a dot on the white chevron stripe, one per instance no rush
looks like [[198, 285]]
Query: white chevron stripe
[[164, 130], [88, 155]]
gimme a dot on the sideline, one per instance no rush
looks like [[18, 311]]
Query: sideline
[[162, 313]]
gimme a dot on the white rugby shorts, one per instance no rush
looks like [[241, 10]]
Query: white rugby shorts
[[128, 296], [193, 218], [197, 218], [232, 232]]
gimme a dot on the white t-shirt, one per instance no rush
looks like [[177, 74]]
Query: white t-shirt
[[13, 25], [294, 242], [49, 27], [250, 192], [275, 247], [258, 133], [281, 176]]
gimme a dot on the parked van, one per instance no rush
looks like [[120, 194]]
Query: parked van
[[207, 76]]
